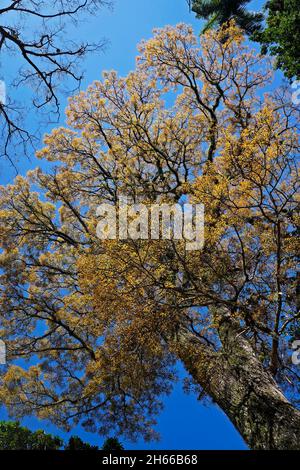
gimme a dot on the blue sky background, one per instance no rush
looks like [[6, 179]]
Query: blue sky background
[[185, 423]]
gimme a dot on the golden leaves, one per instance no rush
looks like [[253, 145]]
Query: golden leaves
[[186, 125]]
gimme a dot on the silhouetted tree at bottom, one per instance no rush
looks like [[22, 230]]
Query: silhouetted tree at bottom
[[13, 436], [75, 443], [112, 444]]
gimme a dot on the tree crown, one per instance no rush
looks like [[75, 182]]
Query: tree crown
[[103, 317]]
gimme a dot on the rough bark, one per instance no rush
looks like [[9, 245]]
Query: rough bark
[[237, 381]]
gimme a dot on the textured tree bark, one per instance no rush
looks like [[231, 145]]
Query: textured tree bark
[[237, 381]]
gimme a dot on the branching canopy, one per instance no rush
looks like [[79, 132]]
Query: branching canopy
[[99, 320]]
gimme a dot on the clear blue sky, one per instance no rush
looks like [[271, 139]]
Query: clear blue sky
[[185, 423]]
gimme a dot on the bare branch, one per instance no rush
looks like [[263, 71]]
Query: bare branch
[[45, 61]]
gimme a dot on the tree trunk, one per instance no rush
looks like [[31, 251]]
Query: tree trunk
[[237, 381]]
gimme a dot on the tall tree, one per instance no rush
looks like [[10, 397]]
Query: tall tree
[[35, 34], [281, 37], [108, 319], [218, 12]]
